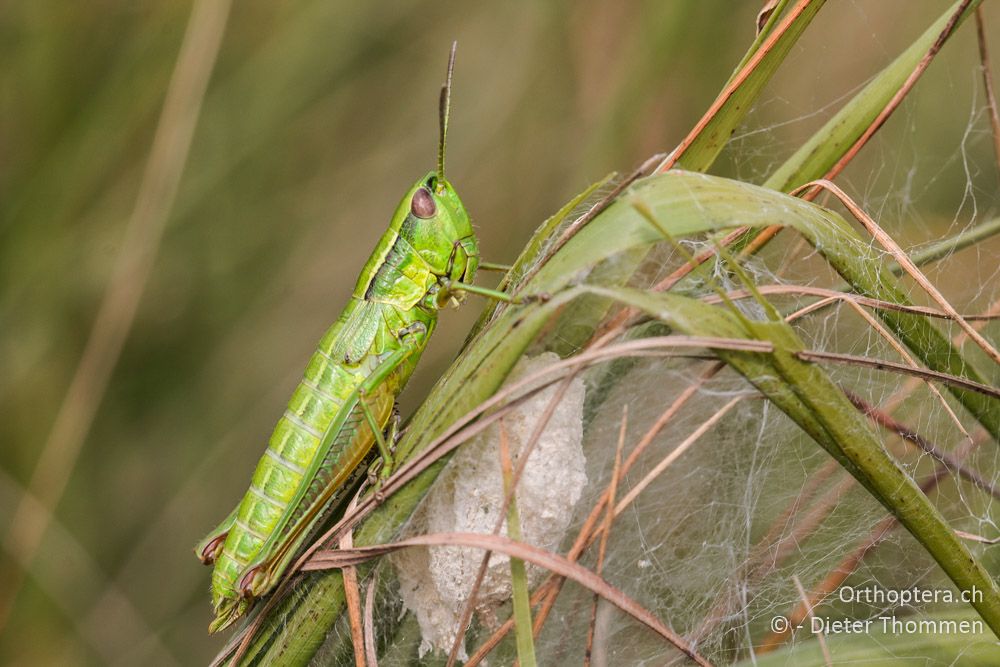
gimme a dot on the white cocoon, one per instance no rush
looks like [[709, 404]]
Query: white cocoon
[[467, 497]]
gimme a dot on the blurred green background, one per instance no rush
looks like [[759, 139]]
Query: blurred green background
[[318, 115]]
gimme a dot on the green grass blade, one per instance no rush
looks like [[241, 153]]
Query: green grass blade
[[735, 101], [815, 157], [523, 629], [952, 244]]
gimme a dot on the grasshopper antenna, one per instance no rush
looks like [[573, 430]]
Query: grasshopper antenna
[[444, 109]]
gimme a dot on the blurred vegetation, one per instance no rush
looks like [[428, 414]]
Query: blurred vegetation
[[317, 117]]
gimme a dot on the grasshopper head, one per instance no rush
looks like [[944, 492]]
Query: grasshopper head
[[437, 226]]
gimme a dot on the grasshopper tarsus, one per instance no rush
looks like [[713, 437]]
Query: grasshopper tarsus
[[540, 297], [374, 472], [376, 480]]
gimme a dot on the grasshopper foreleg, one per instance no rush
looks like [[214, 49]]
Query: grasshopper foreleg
[[494, 266], [455, 286]]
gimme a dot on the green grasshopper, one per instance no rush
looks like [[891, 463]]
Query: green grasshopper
[[425, 260]]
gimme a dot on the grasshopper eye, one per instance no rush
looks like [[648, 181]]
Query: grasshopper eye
[[422, 205]]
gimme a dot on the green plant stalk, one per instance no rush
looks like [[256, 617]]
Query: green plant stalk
[[523, 627], [945, 247], [704, 148], [537, 244], [765, 30], [952, 244], [763, 376], [545, 233], [522, 613]]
